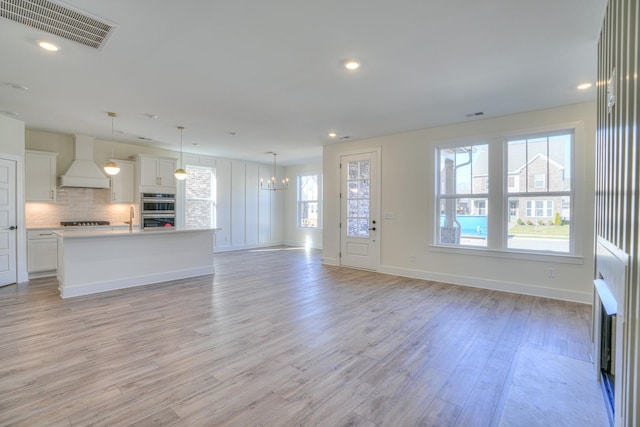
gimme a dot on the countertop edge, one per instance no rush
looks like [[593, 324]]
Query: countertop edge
[[75, 234]]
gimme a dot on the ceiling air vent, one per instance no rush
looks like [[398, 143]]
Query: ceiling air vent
[[59, 19]]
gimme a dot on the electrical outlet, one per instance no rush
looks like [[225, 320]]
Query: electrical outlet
[[551, 273], [412, 258]]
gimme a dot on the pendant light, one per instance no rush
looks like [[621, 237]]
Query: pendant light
[[180, 173], [111, 167], [271, 184]]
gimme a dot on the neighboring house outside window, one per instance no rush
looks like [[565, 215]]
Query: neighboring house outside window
[[308, 213], [461, 198], [537, 197], [200, 197]]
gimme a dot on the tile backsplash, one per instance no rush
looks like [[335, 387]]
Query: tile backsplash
[[77, 204]]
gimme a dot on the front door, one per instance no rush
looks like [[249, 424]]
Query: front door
[[8, 249], [359, 224]]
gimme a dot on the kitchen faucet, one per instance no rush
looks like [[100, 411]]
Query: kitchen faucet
[[131, 215]]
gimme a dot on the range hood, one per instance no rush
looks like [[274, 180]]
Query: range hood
[[83, 172]]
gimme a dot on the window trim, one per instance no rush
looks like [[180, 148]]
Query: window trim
[[497, 239]]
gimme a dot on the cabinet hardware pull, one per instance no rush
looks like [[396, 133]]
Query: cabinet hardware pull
[[45, 234]]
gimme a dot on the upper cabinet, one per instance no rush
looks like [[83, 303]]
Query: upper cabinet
[[40, 171], [156, 173], [122, 187]]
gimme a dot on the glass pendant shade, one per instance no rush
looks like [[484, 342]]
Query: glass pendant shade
[[180, 174], [111, 168]]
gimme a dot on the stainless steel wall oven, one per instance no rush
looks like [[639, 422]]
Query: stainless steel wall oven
[[158, 210]]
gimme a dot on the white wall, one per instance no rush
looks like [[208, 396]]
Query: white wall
[[294, 235], [12, 148], [406, 188]]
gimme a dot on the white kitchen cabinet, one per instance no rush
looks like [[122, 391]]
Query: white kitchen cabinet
[[122, 184], [42, 251], [40, 176], [156, 173]]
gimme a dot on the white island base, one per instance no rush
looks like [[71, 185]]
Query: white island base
[[97, 261]]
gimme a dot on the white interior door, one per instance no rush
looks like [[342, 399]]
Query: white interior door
[[359, 224], [8, 249]]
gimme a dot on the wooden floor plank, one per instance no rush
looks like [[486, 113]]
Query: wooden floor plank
[[273, 339]]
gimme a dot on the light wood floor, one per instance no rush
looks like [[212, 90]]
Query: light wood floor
[[274, 338]]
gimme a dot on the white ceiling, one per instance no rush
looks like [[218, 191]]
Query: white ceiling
[[271, 71]]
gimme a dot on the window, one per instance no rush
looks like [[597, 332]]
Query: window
[[462, 195], [536, 202], [543, 165], [200, 197], [540, 208], [308, 201], [358, 198]]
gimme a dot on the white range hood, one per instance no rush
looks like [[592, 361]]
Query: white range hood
[[83, 172]]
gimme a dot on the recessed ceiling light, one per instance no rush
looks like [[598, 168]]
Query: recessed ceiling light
[[51, 47], [332, 134], [232, 133], [16, 86], [151, 116], [351, 65], [195, 144], [584, 86]]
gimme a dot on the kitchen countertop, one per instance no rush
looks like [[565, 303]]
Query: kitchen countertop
[[97, 232], [92, 227]]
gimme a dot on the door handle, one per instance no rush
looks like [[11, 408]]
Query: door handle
[[373, 229], [13, 227]]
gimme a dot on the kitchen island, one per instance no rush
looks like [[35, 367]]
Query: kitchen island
[[92, 261]]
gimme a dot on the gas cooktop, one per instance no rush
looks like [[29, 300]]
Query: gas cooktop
[[83, 223]]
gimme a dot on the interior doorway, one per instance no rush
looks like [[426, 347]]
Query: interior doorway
[[8, 239]]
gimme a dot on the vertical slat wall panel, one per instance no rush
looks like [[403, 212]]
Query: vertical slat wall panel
[[617, 173]]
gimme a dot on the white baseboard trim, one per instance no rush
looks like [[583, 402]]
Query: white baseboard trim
[[246, 247], [39, 274], [496, 285], [330, 261], [130, 282], [299, 244]]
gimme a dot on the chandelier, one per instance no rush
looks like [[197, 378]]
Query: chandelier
[[271, 184]]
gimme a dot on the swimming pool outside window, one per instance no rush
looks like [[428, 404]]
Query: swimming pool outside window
[[463, 188], [512, 194]]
